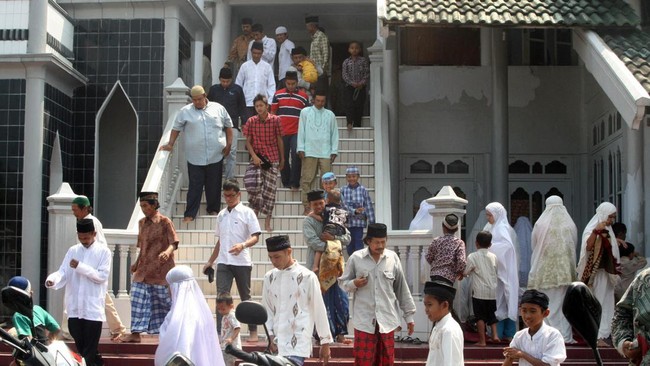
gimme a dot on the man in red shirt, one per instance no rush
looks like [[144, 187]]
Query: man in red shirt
[[287, 104]]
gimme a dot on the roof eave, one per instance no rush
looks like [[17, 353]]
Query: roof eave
[[628, 95]]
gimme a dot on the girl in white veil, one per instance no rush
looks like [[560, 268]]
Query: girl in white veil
[[504, 247], [189, 327], [553, 267], [599, 263]]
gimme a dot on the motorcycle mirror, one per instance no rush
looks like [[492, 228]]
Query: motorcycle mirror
[[18, 301], [178, 359], [251, 312], [583, 310]]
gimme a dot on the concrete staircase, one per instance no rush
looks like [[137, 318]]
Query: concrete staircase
[[197, 238]]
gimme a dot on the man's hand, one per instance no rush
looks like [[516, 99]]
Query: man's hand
[[333, 157], [134, 267], [325, 353], [360, 282], [281, 165], [273, 347], [49, 283], [167, 147], [327, 236], [74, 263], [226, 150], [512, 353], [257, 161], [631, 353], [205, 267], [411, 327], [237, 248], [301, 155], [163, 257]]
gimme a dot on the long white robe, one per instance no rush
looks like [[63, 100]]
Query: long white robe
[[503, 246], [523, 228], [189, 327]]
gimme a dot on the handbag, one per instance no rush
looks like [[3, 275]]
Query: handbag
[[266, 163]]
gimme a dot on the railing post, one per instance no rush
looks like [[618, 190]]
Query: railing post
[[62, 233], [123, 251], [111, 291]]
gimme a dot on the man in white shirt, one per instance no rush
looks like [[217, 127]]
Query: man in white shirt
[[284, 53], [237, 229], [270, 48], [375, 276], [292, 297], [82, 209], [255, 77], [84, 273]]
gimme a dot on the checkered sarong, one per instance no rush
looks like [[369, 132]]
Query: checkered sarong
[[261, 192], [149, 307], [374, 349]]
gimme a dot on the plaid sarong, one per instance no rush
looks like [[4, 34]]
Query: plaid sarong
[[261, 191], [376, 349], [149, 307]]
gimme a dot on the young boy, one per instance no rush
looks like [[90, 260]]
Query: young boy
[[333, 218], [229, 326], [45, 326], [539, 342], [446, 339], [356, 73], [482, 266], [360, 209]]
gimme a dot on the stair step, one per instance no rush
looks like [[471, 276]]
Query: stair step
[[281, 194], [347, 143], [348, 157]]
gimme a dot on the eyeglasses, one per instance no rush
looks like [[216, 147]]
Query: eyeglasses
[[229, 195]]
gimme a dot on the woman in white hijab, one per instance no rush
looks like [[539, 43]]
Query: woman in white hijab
[[553, 268], [503, 246], [524, 229], [598, 266], [189, 327]]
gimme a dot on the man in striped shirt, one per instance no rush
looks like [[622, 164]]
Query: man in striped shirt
[[287, 104]]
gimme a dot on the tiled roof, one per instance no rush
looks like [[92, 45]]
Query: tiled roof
[[561, 13], [633, 48]]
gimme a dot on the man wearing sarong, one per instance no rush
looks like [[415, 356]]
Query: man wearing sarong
[[376, 278], [264, 144]]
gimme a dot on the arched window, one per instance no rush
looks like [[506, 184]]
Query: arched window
[[457, 167], [439, 168], [421, 167], [519, 167], [555, 167]]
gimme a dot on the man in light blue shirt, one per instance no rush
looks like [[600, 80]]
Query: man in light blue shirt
[[318, 143], [208, 138]]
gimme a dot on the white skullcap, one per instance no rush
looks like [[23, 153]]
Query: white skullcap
[[280, 30]]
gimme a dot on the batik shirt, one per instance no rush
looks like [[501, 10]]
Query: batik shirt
[[632, 315], [294, 303], [446, 256]]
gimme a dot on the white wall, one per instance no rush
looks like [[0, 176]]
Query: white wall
[[448, 109], [59, 27]]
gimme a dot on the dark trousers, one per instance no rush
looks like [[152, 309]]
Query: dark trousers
[[291, 174], [250, 112], [86, 334], [208, 176], [242, 276], [323, 84], [354, 105], [356, 239]]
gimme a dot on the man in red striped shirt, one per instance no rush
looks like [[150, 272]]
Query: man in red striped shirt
[[287, 104]]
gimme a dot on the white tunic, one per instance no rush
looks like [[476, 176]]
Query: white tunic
[[256, 78], [284, 58], [294, 303], [268, 54], [234, 227], [85, 285], [446, 343], [547, 345]]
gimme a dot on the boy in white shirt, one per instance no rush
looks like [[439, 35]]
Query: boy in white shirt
[[539, 342], [446, 339], [482, 266]]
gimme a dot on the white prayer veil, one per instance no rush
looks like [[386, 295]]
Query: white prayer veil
[[423, 219], [523, 228], [189, 327], [602, 212], [504, 247], [553, 243]]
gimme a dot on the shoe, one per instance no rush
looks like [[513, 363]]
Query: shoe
[[212, 213]]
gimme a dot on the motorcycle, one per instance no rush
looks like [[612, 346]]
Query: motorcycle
[[33, 351], [250, 312]]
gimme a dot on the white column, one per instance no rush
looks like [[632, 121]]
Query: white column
[[220, 37], [634, 211], [62, 233], [37, 26], [172, 29], [500, 142], [33, 175], [391, 98], [197, 59], [123, 251]]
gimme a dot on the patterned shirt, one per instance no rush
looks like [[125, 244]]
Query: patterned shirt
[[320, 50], [356, 70], [446, 256], [155, 236], [239, 48], [318, 133], [376, 303], [355, 197], [264, 136], [294, 303], [632, 315], [482, 266], [228, 325], [287, 106]]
